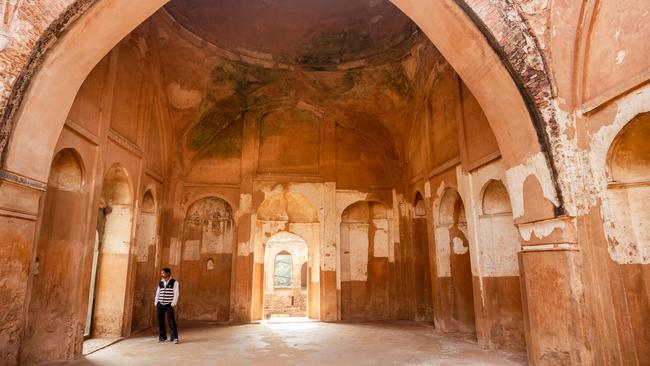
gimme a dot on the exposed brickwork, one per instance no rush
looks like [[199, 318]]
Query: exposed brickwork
[[290, 301], [513, 39], [32, 31]]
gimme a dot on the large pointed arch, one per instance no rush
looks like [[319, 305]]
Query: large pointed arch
[[498, 81]]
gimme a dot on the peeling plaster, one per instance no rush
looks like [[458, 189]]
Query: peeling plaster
[[495, 240], [540, 229], [459, 246], [358, 253], [181, 98], [242, 249], [191, 250], [443, 263], [515, 177], [245, 204], [427, 190], [623, 247], [117, 232], [174, 251], [394, 239], [381, 249]]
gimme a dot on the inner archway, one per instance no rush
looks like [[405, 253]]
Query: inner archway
[[110, 287], [290, 218], [285, 255]]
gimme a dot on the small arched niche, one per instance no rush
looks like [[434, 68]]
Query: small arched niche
[[627, 210], [452, 210], [495, 199], [629, 154], [148, 203], [117, 189], [419, 209], [66, 173]]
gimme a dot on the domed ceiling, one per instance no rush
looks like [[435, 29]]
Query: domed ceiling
[[297, 32]]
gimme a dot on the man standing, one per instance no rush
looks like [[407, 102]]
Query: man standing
[[165, 301]]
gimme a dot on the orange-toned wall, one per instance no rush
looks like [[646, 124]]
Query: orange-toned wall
[[104, 127]]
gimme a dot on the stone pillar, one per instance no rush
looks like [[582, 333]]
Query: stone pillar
[[242, 280], [552, 290], [328, 283], [19, 208], [329, 286]]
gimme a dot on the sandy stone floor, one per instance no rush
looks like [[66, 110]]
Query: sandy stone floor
[[303, 343]]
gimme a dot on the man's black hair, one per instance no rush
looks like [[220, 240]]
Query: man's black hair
[[167, 270]]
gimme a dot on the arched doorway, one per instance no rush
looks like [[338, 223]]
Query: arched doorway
[[455, 288], [114, 227], [291, 216], [206, 261], [285, 289], [364, 262]]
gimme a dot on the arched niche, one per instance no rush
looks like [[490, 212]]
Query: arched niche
[[419, 210], [148, 202], [495, 199], [284, 295], [499, 269], [66, 173], [56, 302], [454, 270], [422, 285], [365, 252], [144, 255], [112, 270], [629, 153], [626, 210], [208, 233]]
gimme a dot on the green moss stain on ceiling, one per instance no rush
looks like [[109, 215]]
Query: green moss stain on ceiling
[[236, 88]]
